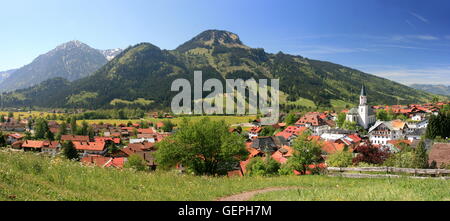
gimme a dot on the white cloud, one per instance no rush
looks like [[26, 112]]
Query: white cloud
[[414, 37], [419, 76], [410, 24], [419, 17], [330, 50]]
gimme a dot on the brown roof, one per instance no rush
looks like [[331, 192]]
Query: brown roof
[[89, 146], [311, 118], [75, 138], [440, 152]]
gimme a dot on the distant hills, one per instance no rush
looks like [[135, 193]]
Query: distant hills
[[144, 72], [6, 74], [435, 89], [72, 60]]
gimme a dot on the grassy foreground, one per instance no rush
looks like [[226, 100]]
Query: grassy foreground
[[25, 176]]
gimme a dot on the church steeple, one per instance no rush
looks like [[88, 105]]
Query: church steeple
[[363, 97], [363, 91]]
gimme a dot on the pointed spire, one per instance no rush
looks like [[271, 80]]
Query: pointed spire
[[363, 91]]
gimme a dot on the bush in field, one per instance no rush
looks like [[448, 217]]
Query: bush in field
[[69, 151], [267, 131], [370, 154], [2, 139], [286, 169], [306, 152], [409, 158], [402, 159], [167, 126], [421, 156], [40, 128], [262, 167], [340, 159], [136, 162], [204, 147], [291, 119]]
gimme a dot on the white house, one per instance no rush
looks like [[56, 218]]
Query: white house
[[51, 148], [143, 139], [384, 131]]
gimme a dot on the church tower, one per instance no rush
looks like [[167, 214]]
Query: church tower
[[363, 109]]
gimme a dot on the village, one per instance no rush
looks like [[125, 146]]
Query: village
[[387, 128]]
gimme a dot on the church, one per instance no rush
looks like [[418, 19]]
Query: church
[[363, 115]]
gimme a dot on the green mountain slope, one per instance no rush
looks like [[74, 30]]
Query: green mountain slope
[[146, 71]]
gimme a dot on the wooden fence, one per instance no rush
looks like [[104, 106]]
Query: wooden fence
[[417, 173]]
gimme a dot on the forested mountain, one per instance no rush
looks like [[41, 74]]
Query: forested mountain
[[145, 71], [72, 60], [435, 89]]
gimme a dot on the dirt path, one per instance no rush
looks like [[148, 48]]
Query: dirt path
[[245, 196]]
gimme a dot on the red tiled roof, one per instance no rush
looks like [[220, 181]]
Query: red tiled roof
[[397, 143], [255, 129], [16, 136], [75, 138], [89, 146], [355, 138], [332, 147], [312, 118], [278, 156], [102, 161], [103, 139], [51, 144], [243, 165], [146, 131], [37, 144], [291, 130]]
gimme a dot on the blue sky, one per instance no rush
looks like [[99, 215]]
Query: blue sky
[[403, 40]]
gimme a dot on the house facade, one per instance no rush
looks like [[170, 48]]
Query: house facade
[[384, 131]]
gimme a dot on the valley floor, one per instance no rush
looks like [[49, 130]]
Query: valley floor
[[25, 176]]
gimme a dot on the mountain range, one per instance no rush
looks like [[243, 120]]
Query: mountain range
[[141, 75], [6, 74], [435, 89], [72, 60]]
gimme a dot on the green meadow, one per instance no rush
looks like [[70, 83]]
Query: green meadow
[[26, 176]]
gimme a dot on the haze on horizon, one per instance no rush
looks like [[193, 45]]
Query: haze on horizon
[[407, 41]]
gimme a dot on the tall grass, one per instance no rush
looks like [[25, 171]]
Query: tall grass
[[25, 176]]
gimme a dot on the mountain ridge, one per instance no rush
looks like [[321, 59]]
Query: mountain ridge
[[146, 71], [71, 60], [433, 88]]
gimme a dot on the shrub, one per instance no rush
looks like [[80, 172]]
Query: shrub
[[262, 167], [69, 151], [369, 154], [340, 159], [403, 159], [306, 152], [409, 158], [206, 147], [136, 162]]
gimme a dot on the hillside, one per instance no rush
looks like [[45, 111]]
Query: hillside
[[26, 176], [6, 74], [435, 89], [146, 71], [72, 60]]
